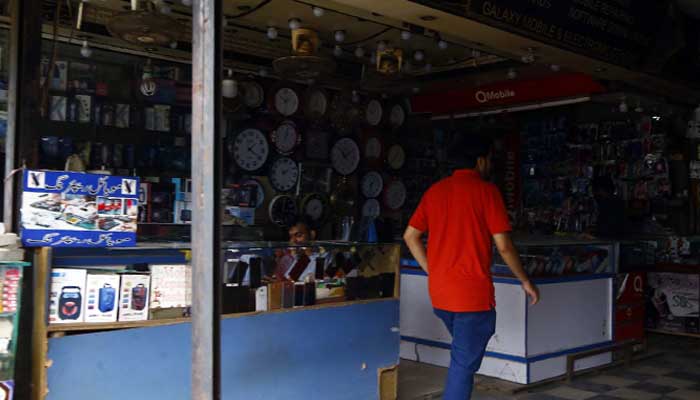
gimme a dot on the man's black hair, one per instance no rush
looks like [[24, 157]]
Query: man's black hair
[[301, 221], [466, 148]]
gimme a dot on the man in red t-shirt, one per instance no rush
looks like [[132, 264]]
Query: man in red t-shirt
[[463, 216]]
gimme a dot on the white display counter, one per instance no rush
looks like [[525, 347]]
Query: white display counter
[[531, 342]]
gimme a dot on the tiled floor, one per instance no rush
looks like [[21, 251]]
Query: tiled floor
[[673, 376]]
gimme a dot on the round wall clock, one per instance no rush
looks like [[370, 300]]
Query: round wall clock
[[343, 199], [374, 112], [371, 208], [372, 184], [345, 156], [253, 94], [395, 195], [344, 113], [282, 210], [250, 149], [316, 104], [286, 101], [397, 116], [396, 157], [373, 148], [316, 144], [286, 137], [260, 191], [284, 174], [315, 208]]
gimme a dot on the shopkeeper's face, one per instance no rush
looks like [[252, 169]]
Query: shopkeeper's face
[[299, 234], [483, 166]]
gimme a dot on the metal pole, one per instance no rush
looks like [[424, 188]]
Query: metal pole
[[206, 189], [9, 184]]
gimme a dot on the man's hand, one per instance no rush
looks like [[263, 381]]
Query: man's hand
[[532, 291], [414, 242]]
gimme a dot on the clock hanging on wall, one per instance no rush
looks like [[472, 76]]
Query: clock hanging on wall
[[286, 137], [371, 208], [259, 189], [343, 199], [282, 210], [345, 156], [286, 101], [372, 149], [397, 116], [344, 113], [315, 208], [396, 157], [316, 104], [250, 149], [316, 144], [253, 94], [374, 112], [395, 195], [372, 184], [284, 174]]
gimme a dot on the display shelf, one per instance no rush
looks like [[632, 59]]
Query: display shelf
[[105, 134], [663, 332]]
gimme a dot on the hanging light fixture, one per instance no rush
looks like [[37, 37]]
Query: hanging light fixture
[[318, 12], [173, 44], [337, 51], [339, 36], [85, 50], [476, 53], [418, 55], [442, 44], [381, 45], [262, 72], [229, 87], [405, 35], [359, 52], [272, 33], [294, 23]]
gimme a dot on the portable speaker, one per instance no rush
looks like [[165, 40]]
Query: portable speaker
[[107, 295], [138, 297], [70, 302]]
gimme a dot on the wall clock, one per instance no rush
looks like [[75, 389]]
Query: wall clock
[[371, 208], [397, 116], [316, 144], [250, 149], [286, 101], [284, 174], [372, 184], [343, 199], [316, 104], [372, 149], [345, 156], [253, 94], [286, 137], [259, 188], [282, 210], [396, 157], [374, 112], [344, 113], [395, 195], [315, 207]]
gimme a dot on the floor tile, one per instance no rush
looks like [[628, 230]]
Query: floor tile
[[591, 386], [615, 381], [631, 375], [652, 370], [684, 395], [688, 376], [631, 394], [652, 388], [570, 393], [673, 382]]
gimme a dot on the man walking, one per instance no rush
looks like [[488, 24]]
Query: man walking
[[463, 215]]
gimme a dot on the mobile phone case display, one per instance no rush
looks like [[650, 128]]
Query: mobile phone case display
[[133, 297], [673, 302], [556, 258], [67, 295], [270, 276], [10, 287]]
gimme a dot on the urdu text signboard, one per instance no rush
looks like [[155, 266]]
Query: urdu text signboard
[[618, 31], [72, 209]]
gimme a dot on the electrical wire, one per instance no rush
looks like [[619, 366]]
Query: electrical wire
[[262, 4], [370, 37]]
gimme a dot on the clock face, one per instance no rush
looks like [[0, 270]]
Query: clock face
[[371, 208], [316, 103], [397, 116], [286, 101], [395, 195], [286, 137], [253, 94], [259, 188], [345, 156], [316, 144], [396, 157], [372, 184], [373, 148], [282, 210], [250, 149], [374, 112], [314, 207], [284, 174]]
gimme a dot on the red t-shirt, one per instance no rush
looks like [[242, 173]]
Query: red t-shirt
[[461, 214]]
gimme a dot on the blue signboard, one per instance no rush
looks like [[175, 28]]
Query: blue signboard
[[74, 209]]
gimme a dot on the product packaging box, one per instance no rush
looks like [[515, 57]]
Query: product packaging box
[[134, 296], [67, 295], [121, 116], [171, 285], [58, 108], [673, 302], [84, 111], [102, 294], [241, 216]]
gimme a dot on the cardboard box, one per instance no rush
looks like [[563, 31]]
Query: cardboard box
[[102, 296], [673, 302], [171, 285], [133, 297], [67, 295]]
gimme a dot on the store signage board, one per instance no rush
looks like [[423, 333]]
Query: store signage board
[[618, 31], [558, 86], [73, 209]]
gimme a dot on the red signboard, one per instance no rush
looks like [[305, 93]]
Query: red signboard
[[506, 93]]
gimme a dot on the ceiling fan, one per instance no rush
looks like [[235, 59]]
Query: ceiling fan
[[145, 25], [304, 63]]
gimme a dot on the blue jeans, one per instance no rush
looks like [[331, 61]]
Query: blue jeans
[[471, 332]]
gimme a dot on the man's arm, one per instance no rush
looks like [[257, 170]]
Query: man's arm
[[414, 242], [510, 255]]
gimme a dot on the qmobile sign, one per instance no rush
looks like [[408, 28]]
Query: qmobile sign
[[558, 86]]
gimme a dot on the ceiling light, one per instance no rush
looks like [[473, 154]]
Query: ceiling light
[[355, 96], [339, 36], [623, 106], [318, 11], [294, 23], [405, 35], [555, 67], [85, 51], [173, 44], [186, 3], [262, 72], [418, 55], [359, 52], [272, 33], [428, 67], [442, 44], [528, 58], [381, 45], [512, 73], [337, 51], [476, 53], [229, 87]]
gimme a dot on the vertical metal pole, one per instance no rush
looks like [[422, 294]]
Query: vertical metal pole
[[8, 189], [206, 188]]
